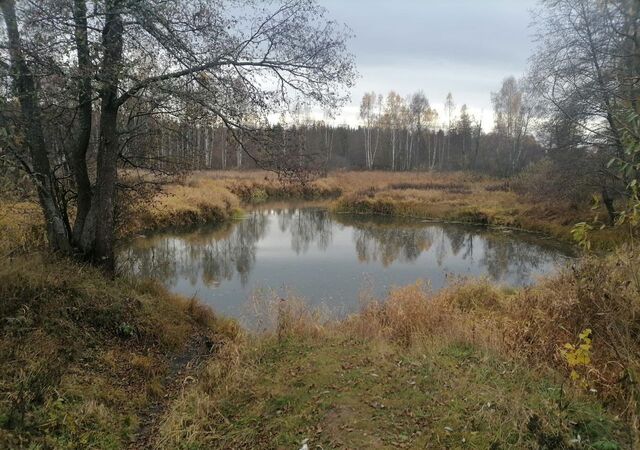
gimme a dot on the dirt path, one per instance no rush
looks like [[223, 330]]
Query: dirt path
[[180, 374]]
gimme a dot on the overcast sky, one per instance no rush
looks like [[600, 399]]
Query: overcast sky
[[465, 47]]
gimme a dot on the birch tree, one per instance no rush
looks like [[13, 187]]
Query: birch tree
[[393, 113], [368, 116]]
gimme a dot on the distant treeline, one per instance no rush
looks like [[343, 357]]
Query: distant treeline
[[396, 133]]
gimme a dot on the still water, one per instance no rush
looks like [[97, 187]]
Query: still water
[[330, 258]]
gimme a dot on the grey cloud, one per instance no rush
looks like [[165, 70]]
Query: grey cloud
[[464, 46]]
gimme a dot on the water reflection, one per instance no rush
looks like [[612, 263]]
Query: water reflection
[[325, 256], [389, 240], [213, 254]]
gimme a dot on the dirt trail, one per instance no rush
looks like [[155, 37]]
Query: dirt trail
[[180, 374]]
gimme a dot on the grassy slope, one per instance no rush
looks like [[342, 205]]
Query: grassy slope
[[82, 358], [217, 196], [460, 197], [346, 393], [473, 366], [455, 196]]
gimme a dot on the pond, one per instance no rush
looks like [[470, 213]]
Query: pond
[[330, 258]]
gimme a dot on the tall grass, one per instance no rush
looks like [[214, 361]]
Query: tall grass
[[531, 324], [21, 228]]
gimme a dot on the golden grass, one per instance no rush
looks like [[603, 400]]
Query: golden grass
[[457, 196], [215, 196], [81, 356], [530, 324], [21, 227], [196, 201], [460, 197]]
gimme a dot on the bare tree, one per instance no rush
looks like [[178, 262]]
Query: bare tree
[[418, 110], [449, 108], [587, 70], [465, 130], [368, 116], [90, 63], [513, 108], [393, 118]]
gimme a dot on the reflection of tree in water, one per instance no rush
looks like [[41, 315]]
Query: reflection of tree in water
[[213, 254], [390, 244], [460, 238], [504, 256], [217, 254], [306, 227], [388, 240]]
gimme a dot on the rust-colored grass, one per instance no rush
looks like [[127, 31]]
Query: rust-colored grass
[[82, 355], [460, 197], [215, 196], [530, 324], [21, 228]]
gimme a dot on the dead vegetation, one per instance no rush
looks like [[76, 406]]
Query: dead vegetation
[[81, 356], [532, 325], [473, 363]]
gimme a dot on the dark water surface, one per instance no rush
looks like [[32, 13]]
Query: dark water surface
[[328, 258]]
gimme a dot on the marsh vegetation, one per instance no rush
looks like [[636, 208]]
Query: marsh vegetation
[[151, 152]]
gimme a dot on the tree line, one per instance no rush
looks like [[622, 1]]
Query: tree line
[[396, 133], [89, 90]]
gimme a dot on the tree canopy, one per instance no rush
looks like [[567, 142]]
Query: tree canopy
[[85, 74]]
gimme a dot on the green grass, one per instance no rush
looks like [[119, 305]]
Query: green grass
[[341, 393]]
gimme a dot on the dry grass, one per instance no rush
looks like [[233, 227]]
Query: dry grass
[[413, 313], [457, 196], [215, 196], [460, 197], [196, 201], [471, 364], [81, 355], [258, 187], [531, 324], [21, 228], [272, 315], [408, 366]]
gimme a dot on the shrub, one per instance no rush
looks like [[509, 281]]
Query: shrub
[[548, 181]]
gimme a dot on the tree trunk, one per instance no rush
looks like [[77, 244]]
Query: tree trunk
[[58, 233], [393, 149], [608, 204], [98, 235], [79, 161]]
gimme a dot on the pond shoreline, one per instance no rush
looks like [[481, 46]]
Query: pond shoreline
[[310, 377], [298, 245], [208, 200]]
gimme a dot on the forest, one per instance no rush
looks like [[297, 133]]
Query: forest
[[199, 250]]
